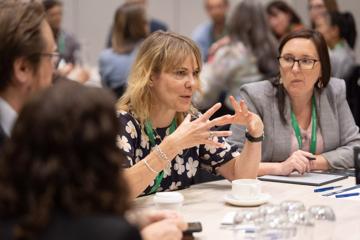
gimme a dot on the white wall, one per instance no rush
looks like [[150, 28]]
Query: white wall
[[90, 20]]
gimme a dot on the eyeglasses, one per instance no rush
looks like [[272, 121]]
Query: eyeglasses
[[55, 57], [304, 63]]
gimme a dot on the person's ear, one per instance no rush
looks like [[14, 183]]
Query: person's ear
[[152, 79], [22, 70]]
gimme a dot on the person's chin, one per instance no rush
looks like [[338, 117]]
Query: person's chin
[[183, 108]]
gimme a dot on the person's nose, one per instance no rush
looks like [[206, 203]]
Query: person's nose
[[296, 67], [192, 81]]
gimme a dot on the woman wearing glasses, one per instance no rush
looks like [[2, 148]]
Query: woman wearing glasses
[[308, 123]]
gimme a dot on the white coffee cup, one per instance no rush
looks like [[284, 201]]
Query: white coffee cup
[[245, 189], [168, 200]]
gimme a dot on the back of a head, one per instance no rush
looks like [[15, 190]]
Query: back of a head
[[283, 7], [248, 24], [130, 24], [63, 157], [20, 34], [346, 24], [331, 5], [49, 4]]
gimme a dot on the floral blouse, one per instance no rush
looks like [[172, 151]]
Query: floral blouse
[[180, 173]]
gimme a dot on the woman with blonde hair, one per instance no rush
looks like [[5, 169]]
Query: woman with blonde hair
[[163, 137]]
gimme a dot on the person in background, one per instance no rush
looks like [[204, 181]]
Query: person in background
[[308, 123], [70, 64], [153, 24], [61, 174], [247, 55], [27, 58], [318, 8], [165, 140], [129, 29], [282, 19], [208, 33], [338, 29]]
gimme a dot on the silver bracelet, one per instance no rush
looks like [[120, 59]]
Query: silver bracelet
[[161, 154], [149, 167]]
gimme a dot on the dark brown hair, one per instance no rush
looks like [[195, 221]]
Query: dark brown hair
[[49, 4], [346, 24], [20, 34], [330, 5], [283, 7], [62, 157], [324, 61], [129, 26]]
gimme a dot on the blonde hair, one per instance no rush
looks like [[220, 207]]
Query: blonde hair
[[161, 51]]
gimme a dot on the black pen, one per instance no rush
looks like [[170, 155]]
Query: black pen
[[311, 158]]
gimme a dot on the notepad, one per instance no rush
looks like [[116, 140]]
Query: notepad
[[312, 179]]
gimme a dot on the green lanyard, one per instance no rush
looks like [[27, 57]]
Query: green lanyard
[[61, 43], [296, 127], [150, 132]]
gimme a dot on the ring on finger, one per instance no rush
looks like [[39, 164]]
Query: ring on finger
[[211, 135]]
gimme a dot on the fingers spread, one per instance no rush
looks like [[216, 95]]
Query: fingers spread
[[244, 108], [227, 119], [210, 112], [235, 104]]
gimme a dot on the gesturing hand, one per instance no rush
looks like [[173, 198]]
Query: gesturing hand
[[193, 133], [243, 116]]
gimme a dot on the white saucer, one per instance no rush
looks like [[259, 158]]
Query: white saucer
[[260, 199]]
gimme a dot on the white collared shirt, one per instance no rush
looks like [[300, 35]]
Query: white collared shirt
[[7, 116]]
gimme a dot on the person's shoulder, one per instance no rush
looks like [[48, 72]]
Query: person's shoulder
[[156, 25], [336, 86], [127, 116], [105, 53], [69, 37], [109, 56], [202, 29]]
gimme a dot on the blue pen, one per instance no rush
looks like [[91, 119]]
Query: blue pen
[[326, 188], [347, 195]]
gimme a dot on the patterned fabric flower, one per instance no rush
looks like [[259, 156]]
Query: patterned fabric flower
[[123, 143], [174, 186], [192, 166], [145, 142], [179, 165], [130, 128], [212, 149], [167, 171]]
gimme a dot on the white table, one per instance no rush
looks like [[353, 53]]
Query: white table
[[204, 203]]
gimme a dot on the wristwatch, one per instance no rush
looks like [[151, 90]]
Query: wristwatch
[[254, 139]]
